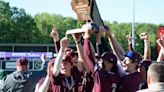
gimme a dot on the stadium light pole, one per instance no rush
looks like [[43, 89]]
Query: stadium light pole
[[133, 26]]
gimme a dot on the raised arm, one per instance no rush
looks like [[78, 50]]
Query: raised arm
[[46, 83], [147, 50], [101, 45], [81, 64], [129, 38], [115, 46], [161, 53], [64, 43], [117, 50], [88, 53], [44, 64], [55, 36]]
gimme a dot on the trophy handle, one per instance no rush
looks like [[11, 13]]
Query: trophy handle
[[88, 12]]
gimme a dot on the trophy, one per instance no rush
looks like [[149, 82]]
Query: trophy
[[88, 12], [82, 8]]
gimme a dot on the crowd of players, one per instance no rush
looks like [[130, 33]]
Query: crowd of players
[[106, 68]]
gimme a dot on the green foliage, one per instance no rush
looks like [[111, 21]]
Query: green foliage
[[120, 30], [5, 21], [16, 26], [22, 27], [45, 22]]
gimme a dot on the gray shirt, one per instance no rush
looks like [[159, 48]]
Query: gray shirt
[[155, 87], [23, 81]]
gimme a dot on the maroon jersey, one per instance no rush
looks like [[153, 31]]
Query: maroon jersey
[[63, 84], [87, 82], [129, 83], [105, 81]]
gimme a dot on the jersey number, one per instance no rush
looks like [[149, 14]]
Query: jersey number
[[114, 86]]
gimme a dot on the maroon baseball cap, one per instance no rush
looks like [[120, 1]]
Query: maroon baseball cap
[[74, 53], [21, 61], [67, 58], [68, 50], [71, 52], [110, 57]]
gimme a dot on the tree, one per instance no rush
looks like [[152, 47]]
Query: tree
[[23, 26], [5, 21], [45, 23], [15, 25]]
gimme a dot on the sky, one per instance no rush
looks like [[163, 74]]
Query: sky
[[146, 11]]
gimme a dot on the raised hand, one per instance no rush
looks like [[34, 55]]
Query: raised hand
[[144, 36], [77, 37], [129, 38], [102, 30], [64, 42], [54, 34], [100, 34], [49, 69], [88, 30]]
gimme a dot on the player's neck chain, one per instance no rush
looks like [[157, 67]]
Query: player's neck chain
[[71, 84]]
